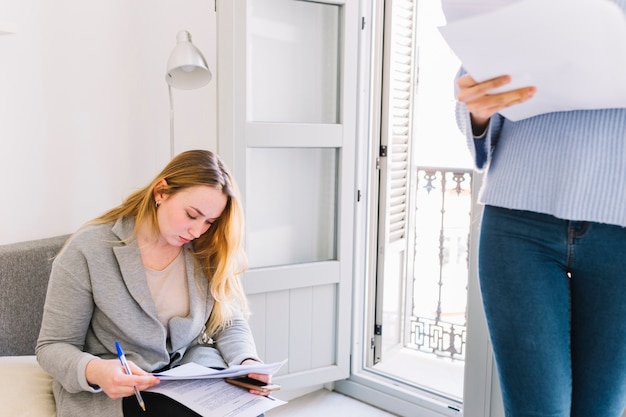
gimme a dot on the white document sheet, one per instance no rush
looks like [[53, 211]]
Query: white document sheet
[[216, 398], [196, 371], [204, 390], [459, 9], [573, 51]]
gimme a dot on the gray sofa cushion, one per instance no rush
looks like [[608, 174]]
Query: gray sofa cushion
[[24, 272]]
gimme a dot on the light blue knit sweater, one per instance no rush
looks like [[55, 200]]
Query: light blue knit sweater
[[568, 164], [571, 165]]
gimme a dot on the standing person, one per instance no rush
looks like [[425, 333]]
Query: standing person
[[160, 274], [551, 252]]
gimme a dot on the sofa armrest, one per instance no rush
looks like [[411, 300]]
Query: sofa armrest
[[25, 388]]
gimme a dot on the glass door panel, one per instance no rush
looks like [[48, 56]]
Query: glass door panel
[[293, 54], [293, 192]]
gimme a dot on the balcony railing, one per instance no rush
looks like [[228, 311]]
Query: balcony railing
[[442, 225]]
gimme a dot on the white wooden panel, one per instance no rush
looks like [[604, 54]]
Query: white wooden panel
[[300, 321], [299, 325], [291, 276], [324, 326], [277, 328], [294, 135], [257, 323]]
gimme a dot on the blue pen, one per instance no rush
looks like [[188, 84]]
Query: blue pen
[[122, 357]]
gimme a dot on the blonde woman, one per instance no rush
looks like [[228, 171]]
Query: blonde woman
[[159, 274]]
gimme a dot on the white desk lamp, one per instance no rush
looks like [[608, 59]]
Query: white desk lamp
[[186, 70]]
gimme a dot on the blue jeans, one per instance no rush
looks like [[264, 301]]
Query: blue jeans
[[554, 293]]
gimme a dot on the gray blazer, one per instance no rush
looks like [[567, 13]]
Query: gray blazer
[[98, 294]]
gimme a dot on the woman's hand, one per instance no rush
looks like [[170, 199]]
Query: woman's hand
[[261, 377], [482, 104], [109, 375]]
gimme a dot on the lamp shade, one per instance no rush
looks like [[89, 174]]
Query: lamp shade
[[186, 68]]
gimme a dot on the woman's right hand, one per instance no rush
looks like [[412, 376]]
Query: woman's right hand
[[109, 375], [482, 103]]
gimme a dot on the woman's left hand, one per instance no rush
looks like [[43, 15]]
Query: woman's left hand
[[261, 377]]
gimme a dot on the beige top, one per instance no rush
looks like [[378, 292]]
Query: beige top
[[169, 290]]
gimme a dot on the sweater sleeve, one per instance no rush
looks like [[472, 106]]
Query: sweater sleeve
[[64, 324], [236, 342], [481, 148], [230, 347]]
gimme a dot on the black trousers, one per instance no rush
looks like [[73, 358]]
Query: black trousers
[[157, 405]]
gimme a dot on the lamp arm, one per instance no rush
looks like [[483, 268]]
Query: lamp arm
[[169, 90]]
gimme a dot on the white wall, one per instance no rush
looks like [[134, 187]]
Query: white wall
[[84, 108]]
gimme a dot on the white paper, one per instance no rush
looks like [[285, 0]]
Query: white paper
[[216, 398], [573, 51], [204, 390], [459, 9], [196, 371]]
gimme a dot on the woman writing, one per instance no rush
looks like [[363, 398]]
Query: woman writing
[[159, 274]]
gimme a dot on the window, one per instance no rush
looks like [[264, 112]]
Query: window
[[413, 348]]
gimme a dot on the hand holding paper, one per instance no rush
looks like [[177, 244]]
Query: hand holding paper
[[482, 102], [573, 51]]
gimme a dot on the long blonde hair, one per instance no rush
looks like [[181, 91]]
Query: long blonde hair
[[219, 251]]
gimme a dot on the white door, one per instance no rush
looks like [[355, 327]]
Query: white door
[[286, 110]]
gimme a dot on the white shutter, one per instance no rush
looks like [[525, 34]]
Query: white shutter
[[396, 133], [395, 175]]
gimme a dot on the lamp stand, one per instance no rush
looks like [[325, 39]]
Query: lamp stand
[[172, 151]]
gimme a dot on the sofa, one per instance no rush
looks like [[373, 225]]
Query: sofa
[[25, 389]]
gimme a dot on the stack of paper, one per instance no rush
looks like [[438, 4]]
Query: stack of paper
[[573, 51], [196, 371], [204, 390]]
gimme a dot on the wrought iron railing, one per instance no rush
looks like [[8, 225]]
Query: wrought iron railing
[[442, 225]]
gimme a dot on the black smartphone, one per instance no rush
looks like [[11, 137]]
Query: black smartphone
[[250, 383]]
